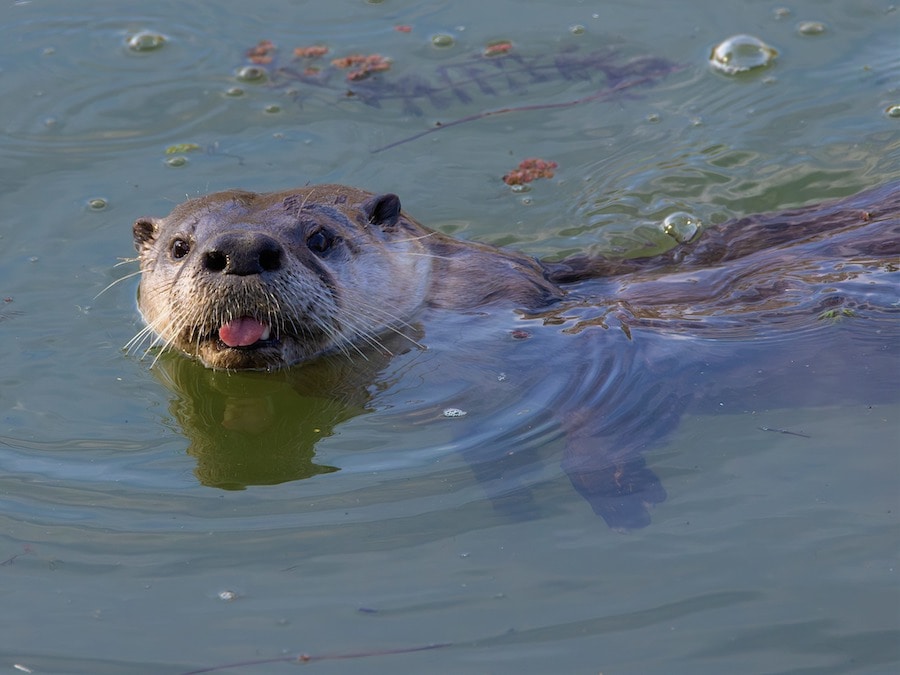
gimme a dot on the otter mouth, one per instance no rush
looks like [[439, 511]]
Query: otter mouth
[[245, 333]]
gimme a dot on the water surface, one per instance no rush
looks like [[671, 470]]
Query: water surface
[[143, 532]]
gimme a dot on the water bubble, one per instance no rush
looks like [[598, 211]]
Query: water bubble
[[893, 110], [442, 41], [741, 53], [97, 204], [681, 226], [577, 29], [272, 108], [234, 92], [177, 161], [227, 596], [810, 28], [145, 41], [251, 74], [781, 12], [454, 412]]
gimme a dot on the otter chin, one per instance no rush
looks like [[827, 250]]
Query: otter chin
[[241, 280]]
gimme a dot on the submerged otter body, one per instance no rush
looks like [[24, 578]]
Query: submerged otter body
[[246, 281]]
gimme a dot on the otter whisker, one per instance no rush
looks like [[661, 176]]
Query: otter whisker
[[113, 283], [419, 238], [428, 255], [381, 313]]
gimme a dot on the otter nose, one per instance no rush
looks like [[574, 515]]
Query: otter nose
[[242, 253]]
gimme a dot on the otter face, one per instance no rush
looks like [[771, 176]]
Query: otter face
[[242, 280]]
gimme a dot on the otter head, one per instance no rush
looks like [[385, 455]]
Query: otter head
[[242, 280]]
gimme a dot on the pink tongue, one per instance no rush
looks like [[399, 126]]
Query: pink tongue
[[241, 332]]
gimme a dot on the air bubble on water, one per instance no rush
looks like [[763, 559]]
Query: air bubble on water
[[454, 412], [145, 41], [893, 110], [251, 74], [741, 53], [442, 41], [681, 226], [810, 28]]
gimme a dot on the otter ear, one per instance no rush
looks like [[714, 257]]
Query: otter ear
[[382, 210], [145, 231]]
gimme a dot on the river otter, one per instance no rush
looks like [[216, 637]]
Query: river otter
[[244, 280], [241, 280]]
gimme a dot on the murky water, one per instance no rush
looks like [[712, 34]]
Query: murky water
[[168, 518]]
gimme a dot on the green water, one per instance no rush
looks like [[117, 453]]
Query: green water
[[121, 551]]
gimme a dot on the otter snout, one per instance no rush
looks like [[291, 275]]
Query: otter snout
[[242, 253]]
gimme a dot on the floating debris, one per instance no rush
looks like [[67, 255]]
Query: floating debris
[[312, 52], [529, 170], [182, 147], [262, 53], [363, 66], [498, 48], [504, 75]]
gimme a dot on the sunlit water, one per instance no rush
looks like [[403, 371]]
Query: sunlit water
[[160, 517]]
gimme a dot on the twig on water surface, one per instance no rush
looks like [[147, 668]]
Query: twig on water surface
[[596, 96], [310, 658], [784, 431]]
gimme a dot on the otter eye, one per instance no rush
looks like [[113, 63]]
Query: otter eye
[[180, 248], [320, 242]]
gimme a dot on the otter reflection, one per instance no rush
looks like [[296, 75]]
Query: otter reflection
[[247, 429]]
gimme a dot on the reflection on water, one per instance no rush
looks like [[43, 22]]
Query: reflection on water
[[246, 430]]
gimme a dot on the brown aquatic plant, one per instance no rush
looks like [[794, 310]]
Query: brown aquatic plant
[[530, 170], [362, 65], [311, 52], [262, 53], [498, 48]]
